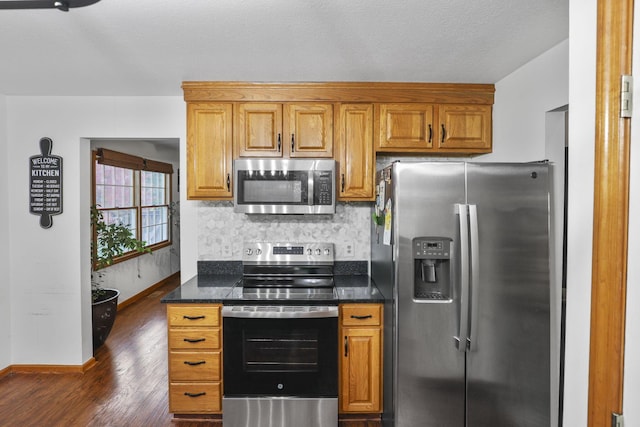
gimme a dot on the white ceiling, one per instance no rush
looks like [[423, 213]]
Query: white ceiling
[[148, 47]]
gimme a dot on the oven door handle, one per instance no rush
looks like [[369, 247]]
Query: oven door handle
[[279, 312]]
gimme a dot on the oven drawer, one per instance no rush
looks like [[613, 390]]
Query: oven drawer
[[194, 365], [193, 315], [195, 398], [361, 314], [196, 338]]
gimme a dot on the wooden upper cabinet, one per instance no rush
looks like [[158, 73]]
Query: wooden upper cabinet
[[209, 151], [309, 130], [259, 130], [284, 130], [355, 154], [405, 127], [464, 127]]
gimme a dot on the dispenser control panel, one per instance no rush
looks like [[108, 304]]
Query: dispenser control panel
[[432, 269], [431, 248]]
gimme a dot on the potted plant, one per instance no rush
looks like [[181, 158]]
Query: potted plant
[[113, 240]]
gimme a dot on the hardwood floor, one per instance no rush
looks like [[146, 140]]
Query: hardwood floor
[[127, 387]]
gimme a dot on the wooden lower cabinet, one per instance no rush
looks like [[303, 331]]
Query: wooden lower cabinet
[[195, 358], [360, 359]]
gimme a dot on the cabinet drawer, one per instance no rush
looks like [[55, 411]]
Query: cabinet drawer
[[196, 338], [361, 314], [196, 398], [186, 315], [194, 365]]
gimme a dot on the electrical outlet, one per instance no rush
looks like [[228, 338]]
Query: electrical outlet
[[349, 250]]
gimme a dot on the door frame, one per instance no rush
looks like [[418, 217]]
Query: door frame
[[611, 213]]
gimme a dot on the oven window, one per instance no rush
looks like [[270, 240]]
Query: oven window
[[280, 350], [280, 357]]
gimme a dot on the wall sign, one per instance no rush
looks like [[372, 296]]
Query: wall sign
[[45, 184]]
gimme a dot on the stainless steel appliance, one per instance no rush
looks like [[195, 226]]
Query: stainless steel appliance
[[281, 338], [284, 186], [463, 250]]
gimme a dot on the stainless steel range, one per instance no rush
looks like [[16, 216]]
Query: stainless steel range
[[281, 338]]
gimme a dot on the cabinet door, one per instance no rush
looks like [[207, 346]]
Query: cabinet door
[[360, 386], [356, 157], [209, 151], [465, 127], [259, 130], [405, 127], [309, 130]]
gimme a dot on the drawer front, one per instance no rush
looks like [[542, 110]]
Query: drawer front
[[361, 314], [194, 365], [196, 339], [188, 315], [198, 398]]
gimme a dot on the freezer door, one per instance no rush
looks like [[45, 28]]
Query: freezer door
[[429, 377], [508, 362]]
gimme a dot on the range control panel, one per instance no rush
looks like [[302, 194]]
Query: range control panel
[[288, 252]]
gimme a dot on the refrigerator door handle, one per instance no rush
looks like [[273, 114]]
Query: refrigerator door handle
[[463, 334], [475, 276]]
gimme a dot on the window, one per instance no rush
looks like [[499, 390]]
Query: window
[[135, 192]]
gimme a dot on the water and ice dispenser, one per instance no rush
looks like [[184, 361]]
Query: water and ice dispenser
[[432, 270]]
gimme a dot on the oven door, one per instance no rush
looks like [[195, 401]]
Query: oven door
[[280, 351]]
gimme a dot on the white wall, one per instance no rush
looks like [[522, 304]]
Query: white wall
[[135, 275], [50, 275], [580, 210], [522, 100], [632, 355], [5, 288]]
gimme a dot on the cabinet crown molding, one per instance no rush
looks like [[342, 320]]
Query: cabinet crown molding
[[374, 92]]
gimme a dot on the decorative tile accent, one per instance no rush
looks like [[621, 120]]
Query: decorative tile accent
[[222, 232]]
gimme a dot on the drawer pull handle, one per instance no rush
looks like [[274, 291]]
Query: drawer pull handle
[[199, 362], [202, 393], [193, 317], [368, 316], [194, 340]]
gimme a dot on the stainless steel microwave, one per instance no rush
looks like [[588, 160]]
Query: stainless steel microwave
[[284, 186]]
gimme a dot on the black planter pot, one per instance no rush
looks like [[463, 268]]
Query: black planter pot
[[104, 314]]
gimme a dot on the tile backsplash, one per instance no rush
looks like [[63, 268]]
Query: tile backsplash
[[221, 232]]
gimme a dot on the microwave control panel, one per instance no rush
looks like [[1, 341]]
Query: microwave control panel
[[323, 188]]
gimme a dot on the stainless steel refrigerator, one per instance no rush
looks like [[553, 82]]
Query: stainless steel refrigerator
[[461, 250]]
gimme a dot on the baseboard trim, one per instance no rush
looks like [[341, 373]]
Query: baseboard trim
[[5, 371], [145, 293], [51, 369]]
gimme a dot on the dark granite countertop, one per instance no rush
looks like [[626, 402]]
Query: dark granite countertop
[[208, 287]]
